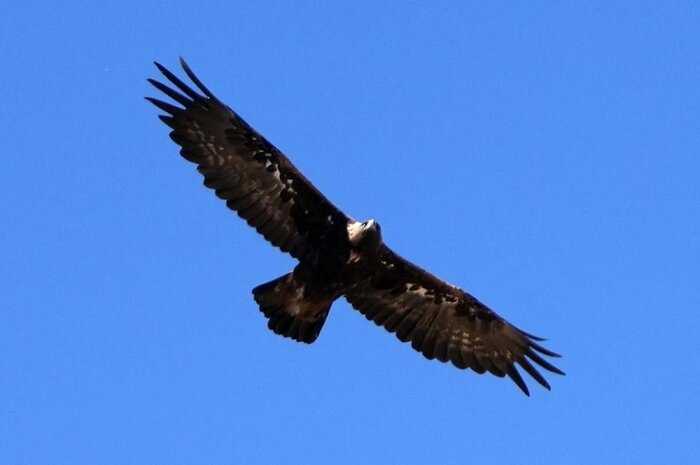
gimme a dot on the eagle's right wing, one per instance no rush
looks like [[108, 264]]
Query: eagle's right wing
[[255, 179], [446, 323]]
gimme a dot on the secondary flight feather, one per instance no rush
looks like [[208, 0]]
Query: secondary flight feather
[[338, 256]]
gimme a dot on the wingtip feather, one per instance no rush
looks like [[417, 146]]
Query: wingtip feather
[[544, 351], [195, 79], [513, 374], [180, 84], [179, 98], [166, 107], [532, 371], [160, 67], [542, 362]]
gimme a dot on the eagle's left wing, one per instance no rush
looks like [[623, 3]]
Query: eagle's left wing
[[446, 323]]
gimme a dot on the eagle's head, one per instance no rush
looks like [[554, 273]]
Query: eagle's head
[[365, 235]]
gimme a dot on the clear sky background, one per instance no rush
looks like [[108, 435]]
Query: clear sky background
[[544, 157]]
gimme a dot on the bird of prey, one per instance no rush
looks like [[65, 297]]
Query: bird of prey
[[338, 256]]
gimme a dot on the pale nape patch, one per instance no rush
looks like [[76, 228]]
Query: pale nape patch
[[355, 231]]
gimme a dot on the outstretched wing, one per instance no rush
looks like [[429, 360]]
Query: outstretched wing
[[446, 323], [255, 179]]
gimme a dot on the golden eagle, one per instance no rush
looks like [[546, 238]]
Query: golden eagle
[[338, 256]]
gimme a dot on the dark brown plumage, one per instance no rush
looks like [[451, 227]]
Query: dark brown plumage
[[337, 255]]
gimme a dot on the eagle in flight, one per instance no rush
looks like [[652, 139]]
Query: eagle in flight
[[338, 256]]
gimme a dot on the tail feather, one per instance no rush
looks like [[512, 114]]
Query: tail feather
[[290, 312]]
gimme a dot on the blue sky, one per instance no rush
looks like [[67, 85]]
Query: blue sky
[[545, 157]]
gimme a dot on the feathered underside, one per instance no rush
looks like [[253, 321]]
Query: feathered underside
[[265, 189]]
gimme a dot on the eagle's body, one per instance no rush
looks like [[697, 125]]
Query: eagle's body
[[297, 303], [338, 256]]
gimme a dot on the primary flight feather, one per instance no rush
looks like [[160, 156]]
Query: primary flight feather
[[338, 256]]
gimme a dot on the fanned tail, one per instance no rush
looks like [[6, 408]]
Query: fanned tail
[[290, 311]]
